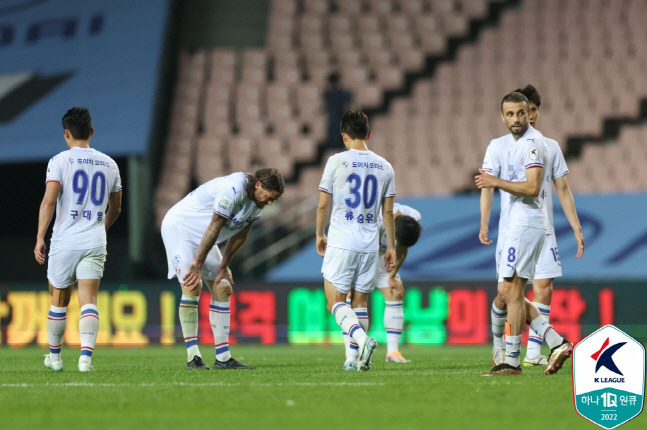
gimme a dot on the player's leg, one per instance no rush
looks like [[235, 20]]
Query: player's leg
[[220, 320], [498, 310], [56, 324], [338, 270], [179, 254], [542, 292], [515, 301], [61, 276], [517, 264], [393, 318], [89, 272], [560, 347], [498, 316], [88, 322], [364, 285], [351, 347]]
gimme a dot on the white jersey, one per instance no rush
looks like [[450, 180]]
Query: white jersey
[[87, 178], [226, 196], [492, 163], [358, 182], [397, 207]]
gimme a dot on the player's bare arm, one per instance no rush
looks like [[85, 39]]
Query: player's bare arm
[[194, 277], [401, 254], [45, 214], [114, 209], [528, 188], [323, 217], [233, 244], [389, 230], [568, 206], [487, 195]]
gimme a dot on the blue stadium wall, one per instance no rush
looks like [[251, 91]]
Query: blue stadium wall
[[55, 54]]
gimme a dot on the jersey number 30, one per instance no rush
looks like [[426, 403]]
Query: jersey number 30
[[362, 194]]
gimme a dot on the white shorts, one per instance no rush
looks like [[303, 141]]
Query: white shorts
[[520, 252], [180, 253], [500, 242], [548, 265], [345, 269], [382, 274], [66, 266]]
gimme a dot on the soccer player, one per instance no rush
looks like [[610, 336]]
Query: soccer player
[[524, 156], [222, 209], [548, 265], [407, 232], [83, 186], [356, 186]]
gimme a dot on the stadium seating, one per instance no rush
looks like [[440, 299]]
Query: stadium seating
[[263, 105]]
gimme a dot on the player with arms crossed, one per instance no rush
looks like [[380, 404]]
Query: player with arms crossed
[[83, 186], [523, 154], [222, 209], [356, 186], [548, 266]]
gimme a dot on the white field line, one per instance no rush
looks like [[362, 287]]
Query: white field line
[[189, 384]]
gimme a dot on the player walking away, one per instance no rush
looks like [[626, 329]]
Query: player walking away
[[83, 186], [222, 209], [525, 158], [356, 186], [548, 266]]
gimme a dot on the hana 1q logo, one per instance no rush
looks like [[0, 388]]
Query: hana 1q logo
[[609, 377]]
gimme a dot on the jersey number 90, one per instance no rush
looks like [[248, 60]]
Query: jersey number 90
[[97, 186]]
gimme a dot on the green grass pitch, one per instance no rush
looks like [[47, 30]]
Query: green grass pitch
[[292, 387]]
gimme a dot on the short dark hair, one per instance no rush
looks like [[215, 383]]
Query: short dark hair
[[407, 230], [515, 97], [532, 94], [270, 179], [354, 123], [79, 121]]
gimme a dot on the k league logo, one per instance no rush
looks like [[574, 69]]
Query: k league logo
[[609, 377]]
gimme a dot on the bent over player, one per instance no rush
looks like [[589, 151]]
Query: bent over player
[[222, 209], [83, 185]]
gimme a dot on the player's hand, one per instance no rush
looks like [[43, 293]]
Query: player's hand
[[224, 274], [484, 179], [389, 259], [40, 251], [193, 279], [483, 235], [580, 245], [322, 243]]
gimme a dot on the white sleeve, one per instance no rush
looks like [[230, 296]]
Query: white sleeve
[[54, 170], [327, 179], [491, 162]]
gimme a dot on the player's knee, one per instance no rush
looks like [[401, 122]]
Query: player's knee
[[225, 288]]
